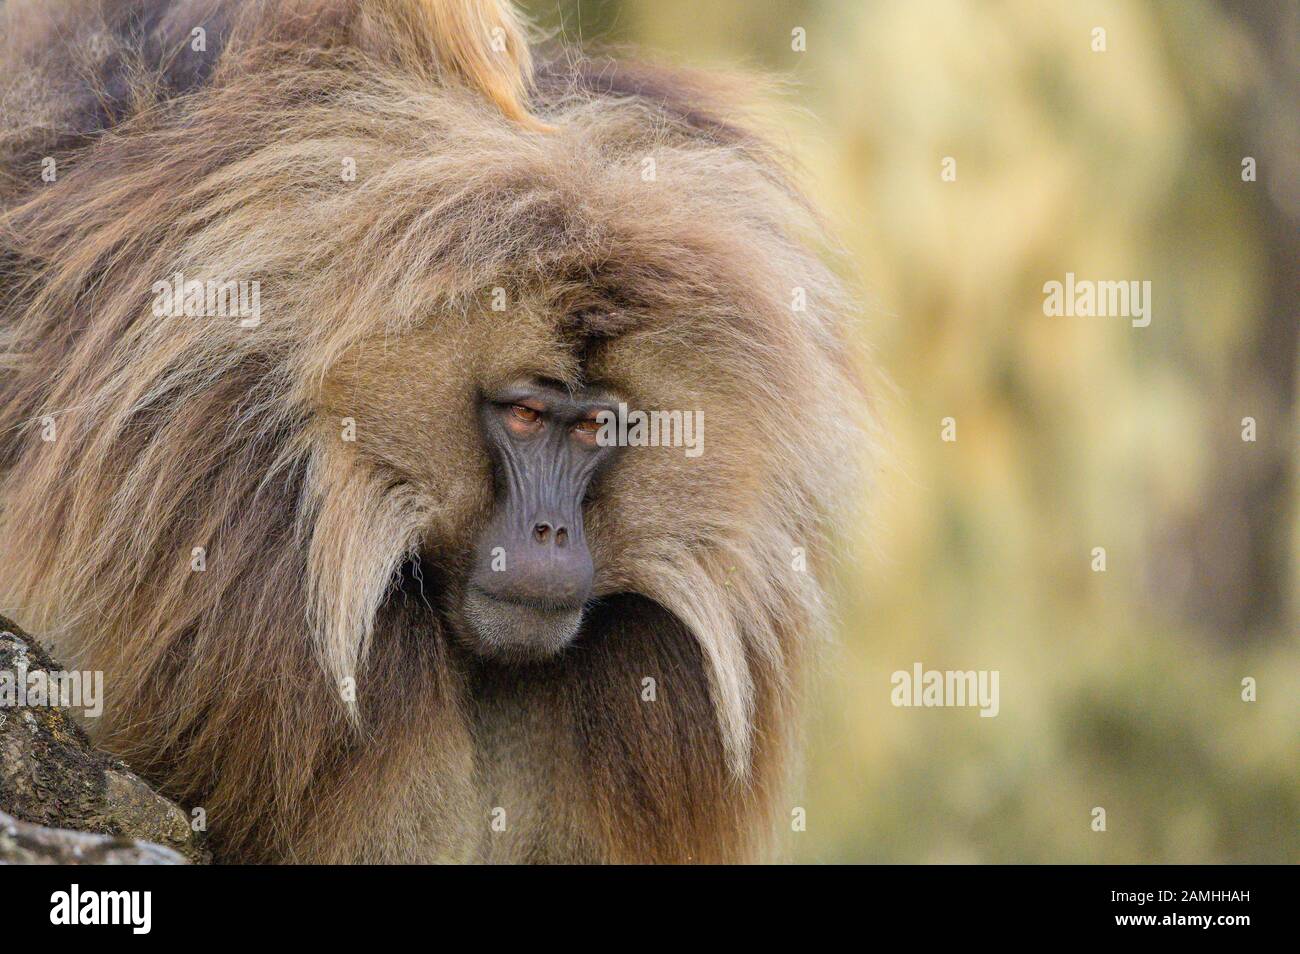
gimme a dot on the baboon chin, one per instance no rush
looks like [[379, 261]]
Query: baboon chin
[[366, 580]]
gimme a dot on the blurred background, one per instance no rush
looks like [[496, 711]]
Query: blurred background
[[1120, 689]]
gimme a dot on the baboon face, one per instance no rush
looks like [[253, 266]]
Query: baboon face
[[494, 422], [491, 419], [532, 571]]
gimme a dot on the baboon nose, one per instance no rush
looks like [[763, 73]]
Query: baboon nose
[[544, 563], [549, 534]]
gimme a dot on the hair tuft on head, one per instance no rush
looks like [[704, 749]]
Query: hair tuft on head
[[480, 43]]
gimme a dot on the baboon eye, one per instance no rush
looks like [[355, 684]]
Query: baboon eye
[[588, 425], [526, 414]]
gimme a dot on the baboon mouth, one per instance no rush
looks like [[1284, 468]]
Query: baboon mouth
[[516, 631]]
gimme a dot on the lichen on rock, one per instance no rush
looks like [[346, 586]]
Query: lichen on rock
[[64, 802]]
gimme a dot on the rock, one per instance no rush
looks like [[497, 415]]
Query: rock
[[61, 800], [25, 844]]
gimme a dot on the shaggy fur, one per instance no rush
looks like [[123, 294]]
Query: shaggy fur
[[331, 560]]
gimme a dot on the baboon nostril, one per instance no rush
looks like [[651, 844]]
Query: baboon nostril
[[561, 537], [541, 531]]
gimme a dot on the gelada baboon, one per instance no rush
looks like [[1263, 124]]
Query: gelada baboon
[[365, 584]]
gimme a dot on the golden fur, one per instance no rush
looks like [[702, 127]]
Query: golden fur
[[329, 559]]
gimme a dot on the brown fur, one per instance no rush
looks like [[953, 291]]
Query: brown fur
[[328, 559]]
